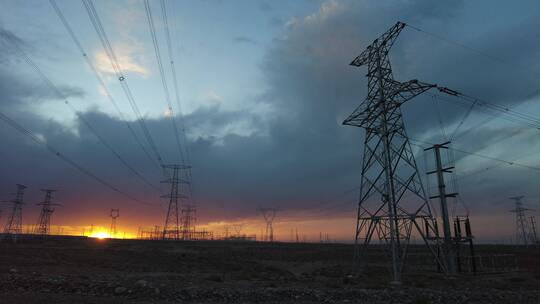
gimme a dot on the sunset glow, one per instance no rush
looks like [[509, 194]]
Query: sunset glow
[[100, 235]]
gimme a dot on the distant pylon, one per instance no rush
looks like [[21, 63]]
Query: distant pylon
[[268, 214], [14, 222], [522, 227], [180, 187], [188, 220], [115, 213], [392, 202], [238, 229], [44, 222]]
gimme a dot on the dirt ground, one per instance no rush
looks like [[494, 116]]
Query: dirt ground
[[80, 270]]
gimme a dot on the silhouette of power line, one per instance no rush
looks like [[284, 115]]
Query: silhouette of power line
[[99, 78], [59, 94], [15, 125]]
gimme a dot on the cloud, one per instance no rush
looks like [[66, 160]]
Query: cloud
[[128, 59], [211, 96], [296, 153]]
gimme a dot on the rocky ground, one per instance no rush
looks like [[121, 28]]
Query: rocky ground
[[127, 271]]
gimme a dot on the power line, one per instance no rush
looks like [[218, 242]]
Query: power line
[[98, 76], [96, 23], [59, 93], [493, 109], [512, 163], [175, 79], [474, 50], [469, 110], [12, 123], [487, 108], [177, 98], [526, 117], [152, 29], [475, 172], [439, 118]]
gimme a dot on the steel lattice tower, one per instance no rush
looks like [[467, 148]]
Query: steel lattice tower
[[115, 213], [188, 221], [268, 214], [522, 227], [44, 222], [14, 222], [389, 171], [179, 188]]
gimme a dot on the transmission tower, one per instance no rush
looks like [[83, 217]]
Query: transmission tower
[[392, 198], [115, 213], [188, 220], [178, 195], [47, 209], [238, 229], [522, 227], [14, 222], [268, 214]]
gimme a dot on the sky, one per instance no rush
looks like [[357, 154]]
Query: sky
[[264, 87]]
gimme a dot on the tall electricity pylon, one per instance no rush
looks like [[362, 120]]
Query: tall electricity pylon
[[179, 182], [522, 227], [44, 222], [115, 213], [392, 198], [14, 222], [268, 214]]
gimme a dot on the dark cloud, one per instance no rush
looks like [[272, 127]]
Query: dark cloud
[[297, 154]]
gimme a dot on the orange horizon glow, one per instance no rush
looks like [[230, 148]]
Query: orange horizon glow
[[100, 235], [286, 227]]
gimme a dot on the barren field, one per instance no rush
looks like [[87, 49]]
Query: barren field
[[79, 270]]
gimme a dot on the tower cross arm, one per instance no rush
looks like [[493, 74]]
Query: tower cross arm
[[399, 92], [383, 43], [403, 91]]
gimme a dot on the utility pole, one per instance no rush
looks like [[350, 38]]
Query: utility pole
[[449, 248], [268, 214], [115, 213], [14, 223], [44, 222], [522, 229], [389, 170]]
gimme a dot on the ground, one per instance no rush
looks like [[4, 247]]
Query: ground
[[81, 270]]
